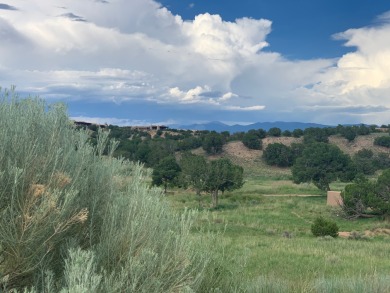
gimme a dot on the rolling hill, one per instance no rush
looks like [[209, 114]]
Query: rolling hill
[[219, 126]]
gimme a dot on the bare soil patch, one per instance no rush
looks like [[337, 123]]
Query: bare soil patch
[[295, 195], [238, 149], [250, 160], [283, 140], [368, 233], [378, 232], [360, 142], [235, 150]]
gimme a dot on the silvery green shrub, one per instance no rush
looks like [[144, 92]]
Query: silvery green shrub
[[75, 219]]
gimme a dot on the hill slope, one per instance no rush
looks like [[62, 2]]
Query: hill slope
[[253, 164]]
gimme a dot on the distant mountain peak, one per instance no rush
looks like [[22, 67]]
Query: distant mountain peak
[[219, 126]]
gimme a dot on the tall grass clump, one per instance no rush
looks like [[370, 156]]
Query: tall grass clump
[[362, 284], [75, 219]]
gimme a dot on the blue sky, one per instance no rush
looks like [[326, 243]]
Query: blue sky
[[294, 23], [130, 62]]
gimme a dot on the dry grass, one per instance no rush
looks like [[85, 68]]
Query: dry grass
[[283, 140], [360, 142], [250, 160], [239, 150], [254, 166]]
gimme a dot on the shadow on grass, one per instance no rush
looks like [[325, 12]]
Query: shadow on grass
[[225, 206]]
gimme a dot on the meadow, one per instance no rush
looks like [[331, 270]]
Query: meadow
[[266, 225]]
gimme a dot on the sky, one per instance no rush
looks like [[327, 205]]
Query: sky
[[141, 62]]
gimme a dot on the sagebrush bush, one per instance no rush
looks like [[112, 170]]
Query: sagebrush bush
[[75, 219], [323, 227]]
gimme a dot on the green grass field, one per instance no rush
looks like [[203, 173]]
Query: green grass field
[[271, 235]]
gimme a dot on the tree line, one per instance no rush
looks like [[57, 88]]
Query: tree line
[[314, 160], [139, 145]]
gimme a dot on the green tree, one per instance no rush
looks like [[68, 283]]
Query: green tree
[[382, 141], [252, 141], [213, 143], [366, 198], [225, 135], [349, 133], [278, 154], [297, 132], [189, 143], [381, 161], [236, 179], [358, 197], [194, 170], [322, 163], [382, 202], [142, 152], [223, 175], [127, 149], [296, 150], [237, 136], [363, 130], [260, 133], [166, 172], [315, 134], [158, 149], [364, 162], [274, 131]]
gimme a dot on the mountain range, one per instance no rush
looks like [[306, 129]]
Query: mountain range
[[219, 126]]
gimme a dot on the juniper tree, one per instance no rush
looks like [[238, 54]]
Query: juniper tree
[[322, 163], [166, 172], [223, 175], [194, 172]]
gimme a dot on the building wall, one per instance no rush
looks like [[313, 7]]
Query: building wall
[[334, 198]]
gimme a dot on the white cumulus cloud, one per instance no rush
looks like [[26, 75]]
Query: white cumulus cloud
[[126, 50]]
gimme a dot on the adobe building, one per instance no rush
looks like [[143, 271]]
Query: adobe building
[[88, 124], [151, 127], [334, 198]]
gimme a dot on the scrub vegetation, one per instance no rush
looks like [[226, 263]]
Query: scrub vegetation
[[79, 213], [75, 219]]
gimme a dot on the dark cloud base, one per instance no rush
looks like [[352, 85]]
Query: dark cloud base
[[7, 7], [73, 17]]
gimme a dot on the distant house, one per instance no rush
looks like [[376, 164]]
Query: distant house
[[334, 199], [87, 124], [151, 127]]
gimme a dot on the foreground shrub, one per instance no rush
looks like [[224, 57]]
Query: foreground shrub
[[75, 220], [322, 227]]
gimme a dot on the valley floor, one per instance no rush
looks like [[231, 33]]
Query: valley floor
[[271, 236]]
